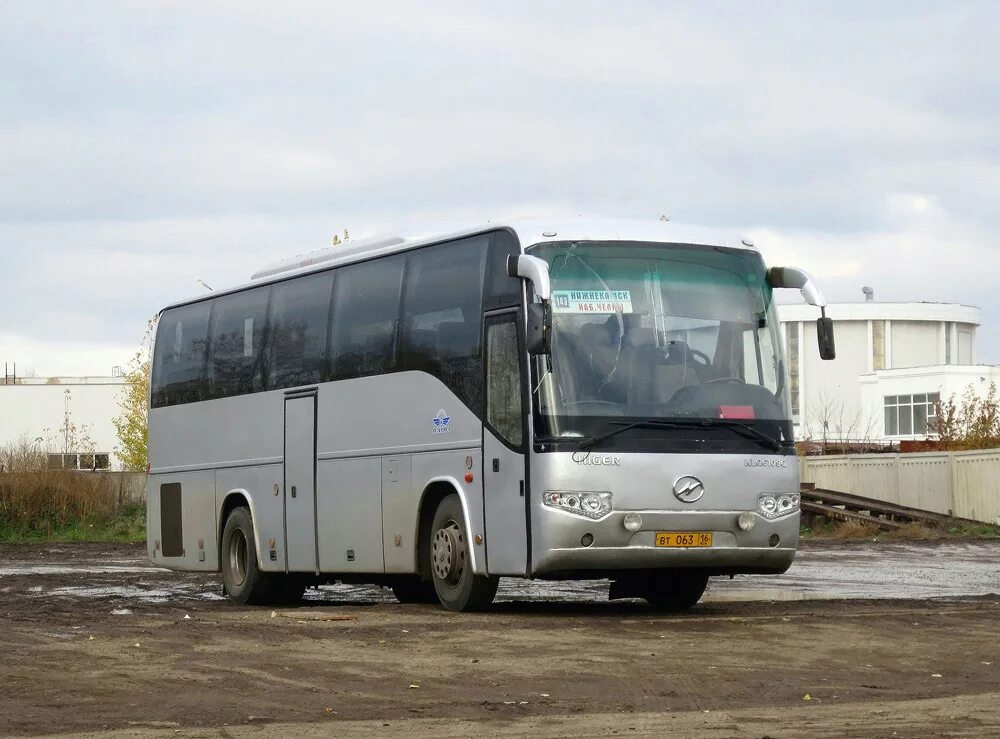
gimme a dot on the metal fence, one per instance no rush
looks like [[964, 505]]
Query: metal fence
[[964, 484]]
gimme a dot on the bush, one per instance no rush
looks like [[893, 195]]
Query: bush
[[37, 502], [970, 423]]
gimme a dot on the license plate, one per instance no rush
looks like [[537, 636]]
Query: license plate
[[683, 538]]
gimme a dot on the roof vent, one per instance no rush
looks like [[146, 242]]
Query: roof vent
[[869, 294]]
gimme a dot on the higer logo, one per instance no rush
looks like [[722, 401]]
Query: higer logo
[[688, 489], [600, 460]]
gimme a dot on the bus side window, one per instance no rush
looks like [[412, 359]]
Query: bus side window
[[442, 308], [236, 351], [365, 316], [179, 361], [300, 314], [503, 380]]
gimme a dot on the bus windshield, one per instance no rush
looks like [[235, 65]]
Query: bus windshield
[[657, 332]]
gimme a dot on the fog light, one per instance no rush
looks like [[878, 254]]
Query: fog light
[[587, 540], [747, 520], [773, 541], [632, 521]]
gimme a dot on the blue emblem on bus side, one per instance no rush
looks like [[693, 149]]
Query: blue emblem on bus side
[[441, 422]]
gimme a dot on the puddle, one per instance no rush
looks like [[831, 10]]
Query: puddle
[[865, 570], [70, 569]]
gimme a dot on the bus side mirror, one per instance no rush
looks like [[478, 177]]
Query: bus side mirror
[[539, 328], [824, 335]]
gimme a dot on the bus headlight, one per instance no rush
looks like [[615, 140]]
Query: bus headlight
[[589, 505], [776, 505]]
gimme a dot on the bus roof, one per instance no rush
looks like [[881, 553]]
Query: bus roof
[[529, 232]]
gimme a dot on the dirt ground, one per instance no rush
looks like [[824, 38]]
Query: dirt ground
[[99, 656]]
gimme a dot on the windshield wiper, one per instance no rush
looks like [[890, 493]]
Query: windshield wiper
[[744, 429], [747, 430], [647, 424]]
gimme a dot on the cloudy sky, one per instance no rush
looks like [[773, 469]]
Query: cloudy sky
[[143, 146]]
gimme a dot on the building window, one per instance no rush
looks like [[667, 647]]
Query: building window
[[911, 415], [878, 345], [792, 340]]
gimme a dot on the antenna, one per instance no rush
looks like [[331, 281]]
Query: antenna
[[869, 294]]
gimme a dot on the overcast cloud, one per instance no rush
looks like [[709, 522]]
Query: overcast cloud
[[144, 146]]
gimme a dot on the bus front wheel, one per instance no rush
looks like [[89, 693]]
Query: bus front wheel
[[241, 574], [458, 587]]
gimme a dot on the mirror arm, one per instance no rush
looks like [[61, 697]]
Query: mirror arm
[[533, 269]]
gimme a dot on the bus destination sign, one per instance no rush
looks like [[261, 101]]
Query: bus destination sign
[[591, 301]]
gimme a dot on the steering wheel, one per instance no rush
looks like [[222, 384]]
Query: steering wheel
[[734, 380]]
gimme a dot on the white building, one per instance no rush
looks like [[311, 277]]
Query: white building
[[894, 361], [69, 418]]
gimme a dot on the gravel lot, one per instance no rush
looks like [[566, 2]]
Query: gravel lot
[[865, 639]]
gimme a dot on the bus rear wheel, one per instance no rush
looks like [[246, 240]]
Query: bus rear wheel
[[241, 574], [457, 587], [674, 590]]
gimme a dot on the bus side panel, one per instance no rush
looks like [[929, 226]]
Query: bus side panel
[[180, 510], [349, 514], [452, 467], [399, 506], [257, 483]]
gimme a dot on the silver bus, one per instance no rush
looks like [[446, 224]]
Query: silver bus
[[600, 400]]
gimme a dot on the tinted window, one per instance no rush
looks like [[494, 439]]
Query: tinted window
[[179, 364], [442, 304], [503, 381], [238, 330], [300, 313], [365, 314]]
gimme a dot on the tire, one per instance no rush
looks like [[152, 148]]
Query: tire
[[241, 574], [457, 588], [414, 589], [675, 590]]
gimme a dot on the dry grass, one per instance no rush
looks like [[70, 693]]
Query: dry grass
[[37, 502], [850, 530], [847, 530], [914, 530]]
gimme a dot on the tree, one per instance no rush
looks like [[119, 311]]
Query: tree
[[132, 423], [844, 426], [970, 423], [337, 241]]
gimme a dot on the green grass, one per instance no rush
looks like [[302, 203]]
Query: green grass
[[127, 527]]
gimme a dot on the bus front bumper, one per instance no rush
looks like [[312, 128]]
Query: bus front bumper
[[560, 543]]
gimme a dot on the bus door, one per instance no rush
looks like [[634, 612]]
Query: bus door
[[504, 479], [300, 482]]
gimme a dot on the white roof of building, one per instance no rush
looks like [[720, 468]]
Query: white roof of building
[[883, 312]]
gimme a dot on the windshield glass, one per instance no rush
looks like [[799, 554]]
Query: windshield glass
[[658, 331]]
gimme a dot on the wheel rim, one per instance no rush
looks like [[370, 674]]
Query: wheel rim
[[448, 553], [238, 557]]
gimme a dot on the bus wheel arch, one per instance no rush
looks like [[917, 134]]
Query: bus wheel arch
[[234, 499], [434, 493]]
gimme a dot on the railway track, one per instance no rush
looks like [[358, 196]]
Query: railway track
[[841, 506]]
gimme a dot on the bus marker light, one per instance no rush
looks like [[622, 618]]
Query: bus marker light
[[468, 477], [632, 521], [478, 539], [747, 520]]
